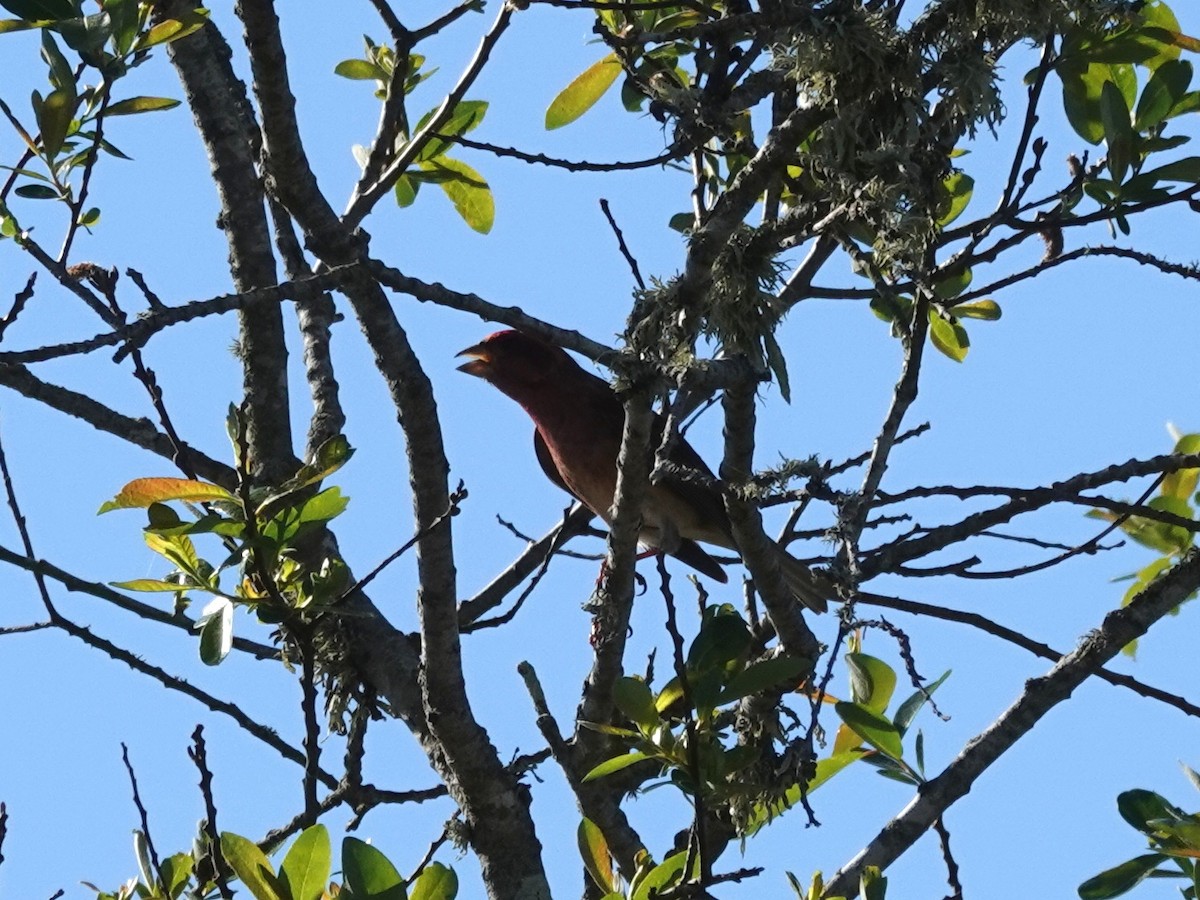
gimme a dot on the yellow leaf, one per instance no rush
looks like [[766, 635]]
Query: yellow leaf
[[581, 94]]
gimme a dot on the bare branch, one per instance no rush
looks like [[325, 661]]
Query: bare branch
[[988, 626], [1040, 696]]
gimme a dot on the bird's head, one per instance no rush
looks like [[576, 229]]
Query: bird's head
[[515, 362]]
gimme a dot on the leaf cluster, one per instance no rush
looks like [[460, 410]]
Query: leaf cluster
[[69, 118], [303, 874], [261, 534], [1174, 839], [462, 184]]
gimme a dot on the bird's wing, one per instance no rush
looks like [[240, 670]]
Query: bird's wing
[[547, 463], [705, 500]]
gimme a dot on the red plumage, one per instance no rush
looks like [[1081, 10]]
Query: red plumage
[[578, 422]]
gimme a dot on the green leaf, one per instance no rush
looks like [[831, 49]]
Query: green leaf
[[62, 76], [1186, 170], [778, 365], [1160, 31], [723, 638], [1189, 103], [632, 97], [1140, 807], [615, 731], [216, 636], [176, 871], [123, 18], [177, 548], [133, 105], [87, 35], [90, 218], [871, 727], [1177, 838], [706, 687], [360, 70], [1119, 879], [252, 867], [370, 874], [581, 94], [1166, 87], [952, 285], [987, 310], [37, 192], [948, 335], [149, 585], [616, 764], [872, 884], [596, 858], [467, 190], [466, 117], [1182, 483], [956, 194], [682, 222], [761, 675], [872, 681], [306, 867], [170, 30], [1175, 537], [141, 492], [1192, 775], [329, 504], [437, 882], [661, 877], [908, 710], [1142, 580], [636, 702], [1118, 132], [1083, 86], [54, 120], [890, 307], [141, 852], [671, 694], [41, 10], [826, 769], [406, 191]]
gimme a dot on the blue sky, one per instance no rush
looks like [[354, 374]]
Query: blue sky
[[1086, 368]]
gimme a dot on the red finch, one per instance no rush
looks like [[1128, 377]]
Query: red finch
[[578, 422]]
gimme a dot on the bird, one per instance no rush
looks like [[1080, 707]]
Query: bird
[[578, 423]]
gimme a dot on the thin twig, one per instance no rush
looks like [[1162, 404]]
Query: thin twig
[[1016, 638], [144, 610], [698, 846], [18, 304], [571, 165], [629, 258], [312, 725], [199, 756], [25, 629], [434, 846], [144, 818], [956, 890], [85, 182], [456, 498], [575, 518]]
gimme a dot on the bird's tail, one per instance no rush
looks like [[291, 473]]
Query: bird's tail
[[809, 588]]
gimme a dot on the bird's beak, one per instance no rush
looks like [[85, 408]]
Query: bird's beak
[[481, 361]]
